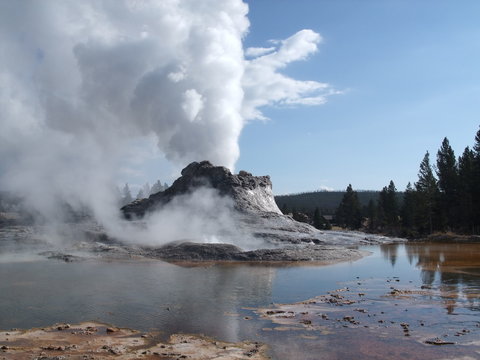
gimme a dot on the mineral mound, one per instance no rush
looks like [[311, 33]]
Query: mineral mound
[[249, 193], [256, 211]]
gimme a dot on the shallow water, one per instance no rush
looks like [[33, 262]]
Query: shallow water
[[218, 300]]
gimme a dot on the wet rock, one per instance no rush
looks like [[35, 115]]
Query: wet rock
[[438, 341], [61, 256], [273, 312], [364, 311], [190, 251], [196, 251], [63, 327]]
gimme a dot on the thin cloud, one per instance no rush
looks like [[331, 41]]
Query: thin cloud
[[265, 85], [258, 51]]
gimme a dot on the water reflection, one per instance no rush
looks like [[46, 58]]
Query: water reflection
[[139, 295], [211, 299], [390, 252], [451, 268]]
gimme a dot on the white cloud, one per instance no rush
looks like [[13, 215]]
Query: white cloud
[[265, 85], [326, 188]]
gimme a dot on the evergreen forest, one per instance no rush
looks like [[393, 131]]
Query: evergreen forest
[[445, 197]]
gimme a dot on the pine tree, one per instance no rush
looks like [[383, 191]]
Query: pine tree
[[466, 186], [408, 210], [476, 146], [126, 195], [140, 194], [476, 184], [349, 213], [294, 213], [317, 219], [146, 189], [157, 187], [381, 216], [372, 216], [388, 207], [427, 191], [447, 172], [392, 204]]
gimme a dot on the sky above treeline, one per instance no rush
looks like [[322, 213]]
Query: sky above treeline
[[407, 73]]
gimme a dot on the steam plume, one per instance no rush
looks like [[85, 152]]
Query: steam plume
[[82, 80]]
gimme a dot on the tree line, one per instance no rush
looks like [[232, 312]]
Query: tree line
[[446, 197], [125, 197], [315, 218], [326, 201]]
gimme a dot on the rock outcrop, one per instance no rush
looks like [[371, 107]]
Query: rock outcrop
[[249, 193]]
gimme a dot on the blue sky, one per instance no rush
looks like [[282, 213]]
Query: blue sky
[[409, 72]]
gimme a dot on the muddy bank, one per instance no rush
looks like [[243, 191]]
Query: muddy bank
[[92, 340]]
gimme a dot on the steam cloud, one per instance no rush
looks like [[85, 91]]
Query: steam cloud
[[82, 80]]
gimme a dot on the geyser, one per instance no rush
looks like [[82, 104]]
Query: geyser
[[243, 208], [86, 85]]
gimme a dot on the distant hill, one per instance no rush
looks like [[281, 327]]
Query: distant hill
[[326, 201]]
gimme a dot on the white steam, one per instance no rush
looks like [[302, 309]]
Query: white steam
[[202, 216], [83, 80]]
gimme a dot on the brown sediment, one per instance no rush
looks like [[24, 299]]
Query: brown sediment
[[91, 340]]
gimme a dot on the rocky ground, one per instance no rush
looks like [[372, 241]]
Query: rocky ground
[[99, 341]]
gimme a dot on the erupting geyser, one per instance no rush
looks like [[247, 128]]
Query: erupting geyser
[[89, 87]]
